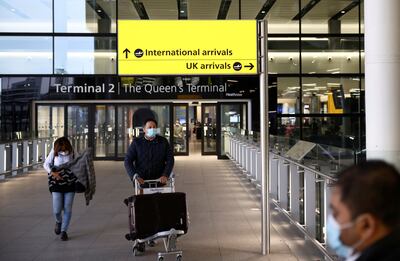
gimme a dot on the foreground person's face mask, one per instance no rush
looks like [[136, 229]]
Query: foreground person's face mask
[[151, 133], [334, 229]]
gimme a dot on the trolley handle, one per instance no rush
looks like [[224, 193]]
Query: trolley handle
[[171, 179]]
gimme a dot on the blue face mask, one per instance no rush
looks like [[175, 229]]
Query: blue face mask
[[151, 133], [333, 229]]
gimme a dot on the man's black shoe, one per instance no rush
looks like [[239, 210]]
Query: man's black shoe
[[57, 228], [64, 236]]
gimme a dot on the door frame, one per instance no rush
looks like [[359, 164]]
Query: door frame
[[203, 105]]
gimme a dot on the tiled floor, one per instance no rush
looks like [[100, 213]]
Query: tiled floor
[[224, 218]]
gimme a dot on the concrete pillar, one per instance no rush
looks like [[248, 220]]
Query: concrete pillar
[[382, 79]]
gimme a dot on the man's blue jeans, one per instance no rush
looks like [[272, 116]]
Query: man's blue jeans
[[63, 201]]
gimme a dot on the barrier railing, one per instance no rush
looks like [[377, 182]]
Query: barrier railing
[[299, 191], [20, 156]]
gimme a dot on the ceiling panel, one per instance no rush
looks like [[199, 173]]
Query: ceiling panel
[[325, 9], [126, 10], [250, 9], [280, 15], [203, 9], [161, 9]]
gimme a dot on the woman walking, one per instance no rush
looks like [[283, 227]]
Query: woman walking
[[61, 184]]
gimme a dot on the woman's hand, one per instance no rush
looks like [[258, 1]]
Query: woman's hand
[[56, 175]]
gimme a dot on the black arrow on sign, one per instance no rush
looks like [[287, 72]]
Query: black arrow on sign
[[126, 51], [251, 66]]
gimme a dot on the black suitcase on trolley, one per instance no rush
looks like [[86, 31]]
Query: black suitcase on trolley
[[153, 213]]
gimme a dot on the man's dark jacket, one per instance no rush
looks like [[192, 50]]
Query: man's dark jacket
[[149, 159], [386, 249]]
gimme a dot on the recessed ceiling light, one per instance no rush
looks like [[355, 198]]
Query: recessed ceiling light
[[98, 10], [12, 10], [343, 11], [263, 12], [182, 11]]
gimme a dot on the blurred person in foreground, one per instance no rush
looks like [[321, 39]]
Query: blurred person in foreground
[[364, 224]]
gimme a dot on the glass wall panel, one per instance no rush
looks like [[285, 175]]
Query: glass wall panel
[[289, 127], [288, 95], [362, 17], [26, 55], [26, 16], [362, 53], [81, 16], [329, 16], [57, 122], [330, 55], [336, 131], [131, 119], [180, 128], [232, 121], [85, 55], [280, 17], [209, 116], [283, 55], [43, 121], [104, 131], [330, 95]]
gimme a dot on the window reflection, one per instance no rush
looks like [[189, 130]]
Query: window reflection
[[25, 55], [85, 55], [288, 95], [81, 16], [330, 55], [283, 55], [26, 16], [331, 95], [336, 131]]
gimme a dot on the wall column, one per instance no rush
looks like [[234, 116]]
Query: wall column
[[382, 79]]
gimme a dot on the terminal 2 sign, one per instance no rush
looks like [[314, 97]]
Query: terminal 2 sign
[[190, 47]]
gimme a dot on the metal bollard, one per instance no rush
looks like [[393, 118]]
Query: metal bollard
[[14, 158], [309, 202], [35, 153], [294, 192], [25, 153], [2, 161], [283, 183], [273, 175]]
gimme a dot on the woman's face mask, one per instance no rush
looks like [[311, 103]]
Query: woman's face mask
[[63, 153]]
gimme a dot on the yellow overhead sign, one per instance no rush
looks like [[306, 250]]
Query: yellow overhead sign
[[190, 47]]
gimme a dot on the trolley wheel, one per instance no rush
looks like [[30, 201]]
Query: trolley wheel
[[179, 257], [139, 249], [161, 258]]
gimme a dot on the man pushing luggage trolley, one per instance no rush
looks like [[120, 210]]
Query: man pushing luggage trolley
[[155, 210]]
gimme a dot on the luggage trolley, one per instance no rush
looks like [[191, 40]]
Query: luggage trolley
[[146, 207]]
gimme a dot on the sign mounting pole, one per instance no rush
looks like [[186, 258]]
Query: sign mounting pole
[[264, 141]]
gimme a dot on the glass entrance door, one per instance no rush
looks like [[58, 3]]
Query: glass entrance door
[[104, 131], [209, 129], [50, 121], [78, 127], [232, 119], [180, 129]]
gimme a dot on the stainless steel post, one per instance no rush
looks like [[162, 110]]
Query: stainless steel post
[[265, 215]]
